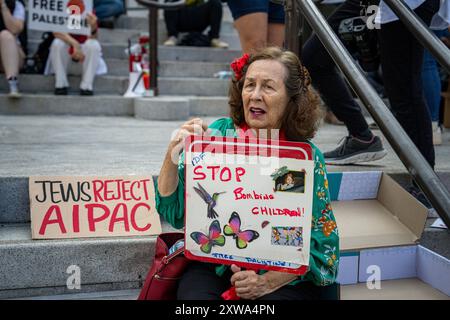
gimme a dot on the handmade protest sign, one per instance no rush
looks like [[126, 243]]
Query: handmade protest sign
[[249, 202], [67, 16], [79, 207]]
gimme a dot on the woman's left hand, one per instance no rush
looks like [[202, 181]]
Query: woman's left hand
[[249, 284]]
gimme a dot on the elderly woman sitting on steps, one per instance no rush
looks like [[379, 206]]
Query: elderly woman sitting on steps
[[270, 90]]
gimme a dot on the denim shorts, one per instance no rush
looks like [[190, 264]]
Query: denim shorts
[[240, 8]]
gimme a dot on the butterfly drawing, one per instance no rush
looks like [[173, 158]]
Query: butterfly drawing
[[233, 228], [215, 238]]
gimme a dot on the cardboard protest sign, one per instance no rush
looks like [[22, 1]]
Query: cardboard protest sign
[[249, 202], [78, 207], [67, 16]]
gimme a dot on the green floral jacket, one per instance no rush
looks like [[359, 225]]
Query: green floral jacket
[[324, 250]]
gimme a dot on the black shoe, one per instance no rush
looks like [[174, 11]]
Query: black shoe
[[107, 23], [61, 91], [86, 92], [420, 196], [353, 150]]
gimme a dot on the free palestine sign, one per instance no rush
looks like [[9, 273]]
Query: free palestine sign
[[67, 16], [79, 207]]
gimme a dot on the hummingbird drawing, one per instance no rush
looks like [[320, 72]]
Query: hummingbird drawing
[[211, 201]]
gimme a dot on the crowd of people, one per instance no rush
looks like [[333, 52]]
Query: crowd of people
[[64, 48]]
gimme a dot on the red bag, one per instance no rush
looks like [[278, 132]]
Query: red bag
[[162, 279]]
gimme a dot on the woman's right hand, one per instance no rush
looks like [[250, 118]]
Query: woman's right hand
[[168, 176], [194, 126], [77, 53]]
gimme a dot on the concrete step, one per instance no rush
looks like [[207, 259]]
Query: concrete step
[[178, 53], [120, 67], [66, 145], [39, 267], [121, 36], [131, 294], [32, 83], [49, 104], [155, 108], [119, 84]]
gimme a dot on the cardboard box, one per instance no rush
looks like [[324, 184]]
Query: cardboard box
[[380, 225]]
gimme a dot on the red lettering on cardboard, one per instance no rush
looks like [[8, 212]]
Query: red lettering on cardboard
[[91, 220], [133, 217], [47, 221], [115, 218]]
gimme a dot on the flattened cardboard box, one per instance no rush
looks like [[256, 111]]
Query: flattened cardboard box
[[380, 225]]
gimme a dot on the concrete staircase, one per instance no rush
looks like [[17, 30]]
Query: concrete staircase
[[43, 134]]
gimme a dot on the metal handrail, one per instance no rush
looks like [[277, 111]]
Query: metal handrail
[[418, 28], [408, 153]]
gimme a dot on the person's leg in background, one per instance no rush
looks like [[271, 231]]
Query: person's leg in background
[[401, 61], [275, 32], [361, 145], [171, 19], [432, 90], [215, 12], [12, 59], [251, 21], [108, 8], [92, 52], [59, 58]]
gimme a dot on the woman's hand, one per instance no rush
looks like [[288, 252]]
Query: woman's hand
[[77, 53], [249, 285], [194, 126], [168, 176], [91, 20]]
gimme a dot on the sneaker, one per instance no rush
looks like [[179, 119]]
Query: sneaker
[[419, 195], [14, 88], [86, 92], [216, 43], [437, 134], [353, 150], [172, 41], [61, 91]]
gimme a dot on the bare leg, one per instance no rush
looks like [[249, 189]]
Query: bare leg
[[252, 30], [275, 36], [11, 54]]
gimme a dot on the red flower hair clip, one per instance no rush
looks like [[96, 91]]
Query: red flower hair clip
[[238, 66]]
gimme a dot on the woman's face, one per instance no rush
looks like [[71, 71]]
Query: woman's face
[[264, 94]]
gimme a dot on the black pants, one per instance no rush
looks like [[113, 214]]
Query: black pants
[[200, 282], [401, 62], [195, 19]]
